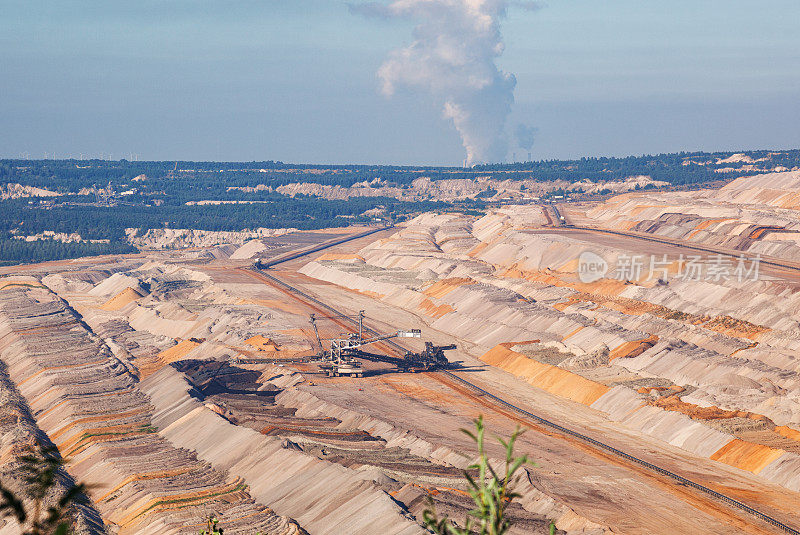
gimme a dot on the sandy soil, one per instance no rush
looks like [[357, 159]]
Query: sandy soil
[[154, 318], [611, 493]]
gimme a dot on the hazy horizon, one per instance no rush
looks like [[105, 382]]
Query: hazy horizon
[[298, 82], [136, 158]]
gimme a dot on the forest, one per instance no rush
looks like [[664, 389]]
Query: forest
[[18, 251], [215, 177], [169, 195]]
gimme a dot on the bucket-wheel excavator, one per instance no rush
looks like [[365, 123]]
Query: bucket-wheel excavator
[[346, 352]]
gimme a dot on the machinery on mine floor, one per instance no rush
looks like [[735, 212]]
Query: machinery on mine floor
[[346, 352]]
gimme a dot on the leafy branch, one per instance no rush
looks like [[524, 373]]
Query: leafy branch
[[492, 492], [36, 510]]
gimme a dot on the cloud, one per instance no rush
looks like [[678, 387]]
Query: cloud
[[452, 57]]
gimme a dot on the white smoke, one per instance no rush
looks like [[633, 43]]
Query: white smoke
[[456, 43], [526, 135]]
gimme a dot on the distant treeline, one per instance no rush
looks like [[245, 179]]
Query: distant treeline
[[161, 200], [211, 179], [28, 216], [19, 251], [93, 222]]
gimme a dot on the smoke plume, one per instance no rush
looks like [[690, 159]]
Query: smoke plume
[[453, 57], [525, 136]]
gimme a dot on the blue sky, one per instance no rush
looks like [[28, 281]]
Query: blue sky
[[296, 81]]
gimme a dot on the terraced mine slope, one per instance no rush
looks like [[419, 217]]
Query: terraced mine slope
[[87, 402], [179, 385], [19, 435], [704, 365], [756, 215], [171, 428]]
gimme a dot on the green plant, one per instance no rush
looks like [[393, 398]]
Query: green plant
[[492, 492], [212, 527], [31, 510]]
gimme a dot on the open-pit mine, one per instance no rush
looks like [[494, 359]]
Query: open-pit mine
[[317, 381]]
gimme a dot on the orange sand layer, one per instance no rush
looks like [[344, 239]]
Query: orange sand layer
[[262, 343], [168, 356], [434, 311], [703, 225], [445, 286], [7, 283], [788, 432], [674, 403], [552, 379], [178, 351], [634, 348], [121, 300], [478, 249], [605, 292], [746, 455]]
